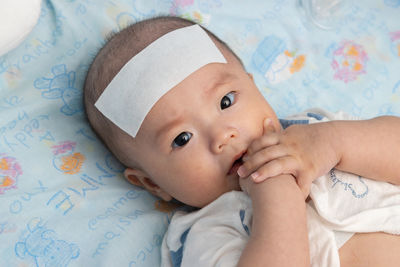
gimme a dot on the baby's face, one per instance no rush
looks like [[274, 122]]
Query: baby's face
[[191, 138]]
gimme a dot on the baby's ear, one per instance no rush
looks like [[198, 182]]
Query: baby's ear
[[132, 175], [140, 178]]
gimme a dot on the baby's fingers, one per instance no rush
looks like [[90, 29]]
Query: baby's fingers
[[283, 165], [269, 138], [268, 127], [254, 161], [263, 142]]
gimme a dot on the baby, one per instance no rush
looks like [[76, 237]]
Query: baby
[[176, 106]]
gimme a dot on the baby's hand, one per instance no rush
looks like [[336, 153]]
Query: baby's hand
[[304, 151]]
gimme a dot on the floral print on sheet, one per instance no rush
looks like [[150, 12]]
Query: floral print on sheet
[[10, 170], [349, 61]]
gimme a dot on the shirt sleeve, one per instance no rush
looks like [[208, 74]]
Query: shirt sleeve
[[319, 115], [218, 246], [214, 236], [315, 115]]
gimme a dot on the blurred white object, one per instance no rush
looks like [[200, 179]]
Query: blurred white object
[[325, 14], [17, 19]]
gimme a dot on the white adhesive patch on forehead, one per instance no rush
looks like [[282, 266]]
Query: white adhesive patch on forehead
[[146, 77]]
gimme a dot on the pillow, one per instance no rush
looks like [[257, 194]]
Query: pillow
[[17, 19]]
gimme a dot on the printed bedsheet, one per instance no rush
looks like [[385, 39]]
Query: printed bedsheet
[[63, 201]]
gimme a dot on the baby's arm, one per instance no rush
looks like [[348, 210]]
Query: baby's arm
[[279, 228], [368, 148]]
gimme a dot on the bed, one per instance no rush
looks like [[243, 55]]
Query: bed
[[63, 199]]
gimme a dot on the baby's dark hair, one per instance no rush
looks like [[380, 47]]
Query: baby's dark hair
[[119, 49]]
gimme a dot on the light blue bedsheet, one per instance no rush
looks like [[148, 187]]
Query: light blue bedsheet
[[63, 201]]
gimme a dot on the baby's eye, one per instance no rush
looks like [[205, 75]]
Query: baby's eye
[[227, 100], [181, 140]]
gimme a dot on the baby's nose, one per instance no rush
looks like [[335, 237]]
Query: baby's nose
[[222, 137]]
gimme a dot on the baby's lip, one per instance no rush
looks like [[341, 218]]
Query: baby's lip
[[236, 162]]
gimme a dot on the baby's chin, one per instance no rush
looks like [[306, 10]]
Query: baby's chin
[[212, 199]]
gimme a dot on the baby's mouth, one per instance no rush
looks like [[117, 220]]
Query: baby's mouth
[[236, 164]]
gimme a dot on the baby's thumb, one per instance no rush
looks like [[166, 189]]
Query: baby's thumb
[[268, 127]]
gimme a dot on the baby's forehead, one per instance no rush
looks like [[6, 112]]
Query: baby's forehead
[[171, 59], [192, 95], [202, 82]]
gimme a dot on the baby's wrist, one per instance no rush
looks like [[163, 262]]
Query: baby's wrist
[[273, 187], [278, 196], [335, 141]]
